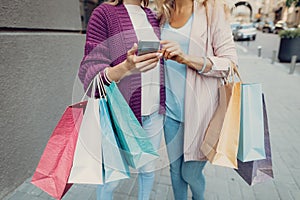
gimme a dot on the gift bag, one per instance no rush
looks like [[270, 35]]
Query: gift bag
[[220, 144], [52, 172], [259, 170], [138, 150], [115, 166], [87, 163], [251, 142]]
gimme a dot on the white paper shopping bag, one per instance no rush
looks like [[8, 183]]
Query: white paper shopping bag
[[87, 163]]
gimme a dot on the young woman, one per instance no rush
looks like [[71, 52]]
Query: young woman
[[113, 32], [198, 49]]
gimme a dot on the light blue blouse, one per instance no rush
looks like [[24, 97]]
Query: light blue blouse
[[175, 73]]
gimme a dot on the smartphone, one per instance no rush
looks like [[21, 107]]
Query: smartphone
[[145, 47]]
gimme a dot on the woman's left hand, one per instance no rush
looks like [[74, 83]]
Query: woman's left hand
[[171, 50]]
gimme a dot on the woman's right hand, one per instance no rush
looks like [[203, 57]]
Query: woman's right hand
[[133, 64], [139, 64]]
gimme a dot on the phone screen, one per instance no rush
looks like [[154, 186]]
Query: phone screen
[[145, 47]]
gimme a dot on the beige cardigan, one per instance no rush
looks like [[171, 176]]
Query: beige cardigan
[[201, 98]]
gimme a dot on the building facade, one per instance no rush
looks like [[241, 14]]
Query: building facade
[[246, 11], [41, 48], [266, 10], [277, 10]]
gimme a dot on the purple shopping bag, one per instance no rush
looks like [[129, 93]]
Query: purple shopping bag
[[258, 171]]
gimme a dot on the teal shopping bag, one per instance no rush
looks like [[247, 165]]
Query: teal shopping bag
[[114, 164], [251, 142], [138, 149]]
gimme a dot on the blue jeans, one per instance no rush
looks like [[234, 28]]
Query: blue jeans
[[183, 174], [153, 125]]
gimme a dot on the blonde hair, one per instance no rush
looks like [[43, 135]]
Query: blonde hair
[[166, 7], [117, 2]]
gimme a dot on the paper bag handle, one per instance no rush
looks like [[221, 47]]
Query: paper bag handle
[[233, 71], [93, 82]]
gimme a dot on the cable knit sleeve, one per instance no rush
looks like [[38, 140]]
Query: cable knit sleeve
[[96, 53]]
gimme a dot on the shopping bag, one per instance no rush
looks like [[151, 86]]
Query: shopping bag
[[52, 172], [220, 144], [138, 150], [115, 166], [251, 142], [258, 171], [87, 163]]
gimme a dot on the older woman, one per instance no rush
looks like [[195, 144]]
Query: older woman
[[198, 49]]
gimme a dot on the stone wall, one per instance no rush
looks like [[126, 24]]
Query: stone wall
[[38, 71]]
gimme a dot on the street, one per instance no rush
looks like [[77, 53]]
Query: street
[[268, 42]]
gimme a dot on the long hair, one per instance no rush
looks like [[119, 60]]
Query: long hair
[[117, 2], [166, 7]]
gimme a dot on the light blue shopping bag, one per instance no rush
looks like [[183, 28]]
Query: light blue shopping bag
[[251, 141], [114, 164]]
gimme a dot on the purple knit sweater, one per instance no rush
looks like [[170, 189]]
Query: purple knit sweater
[[110, 34]]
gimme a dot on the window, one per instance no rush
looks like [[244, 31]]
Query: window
[[86, 9]]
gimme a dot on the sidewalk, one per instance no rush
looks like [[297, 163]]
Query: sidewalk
[[282, 93]]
